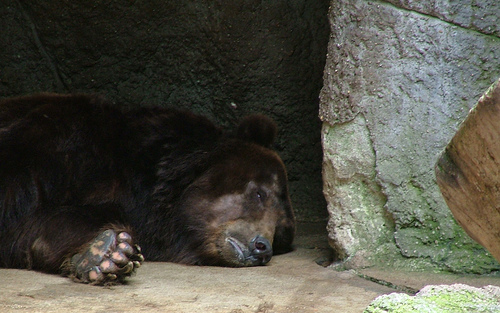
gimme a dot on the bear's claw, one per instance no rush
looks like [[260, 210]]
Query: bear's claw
[[109, 258]]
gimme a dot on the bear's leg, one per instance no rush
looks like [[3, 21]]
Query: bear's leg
[[110, 258], [90, 244]]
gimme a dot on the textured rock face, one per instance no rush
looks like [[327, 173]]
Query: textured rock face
[[440, 298], [399, 78], [355, 201], [224, 59]]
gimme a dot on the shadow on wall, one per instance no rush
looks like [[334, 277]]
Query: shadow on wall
[[223, 59]]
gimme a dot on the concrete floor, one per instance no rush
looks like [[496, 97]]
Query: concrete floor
[[290, 283]]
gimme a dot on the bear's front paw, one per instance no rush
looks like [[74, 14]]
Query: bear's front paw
[[109, 259]]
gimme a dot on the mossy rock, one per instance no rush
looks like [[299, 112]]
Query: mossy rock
[[440, 299]]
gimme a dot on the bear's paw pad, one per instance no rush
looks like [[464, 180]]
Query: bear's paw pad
[[110, 258]]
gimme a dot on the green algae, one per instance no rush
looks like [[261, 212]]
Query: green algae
[[438, 299]]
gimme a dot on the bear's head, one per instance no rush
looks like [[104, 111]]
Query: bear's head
[[239, 209]]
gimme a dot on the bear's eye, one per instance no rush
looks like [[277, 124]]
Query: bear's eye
[[261, 195]]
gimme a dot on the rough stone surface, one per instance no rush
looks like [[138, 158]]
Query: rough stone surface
[[291, 282], [355, 201], [223, 59], [440, 299], [412, 77], [481, 16]]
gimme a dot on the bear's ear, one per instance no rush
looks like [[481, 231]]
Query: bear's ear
[[258, 129]]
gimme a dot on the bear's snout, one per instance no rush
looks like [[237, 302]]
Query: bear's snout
[[261, 249], [258, 251]]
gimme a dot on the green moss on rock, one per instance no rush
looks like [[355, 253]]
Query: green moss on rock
[[440, 299]]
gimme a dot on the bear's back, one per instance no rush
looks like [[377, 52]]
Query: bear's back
[[65, 149], [56, 148]]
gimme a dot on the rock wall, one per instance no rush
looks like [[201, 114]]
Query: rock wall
[[399, 79], [224, 59]]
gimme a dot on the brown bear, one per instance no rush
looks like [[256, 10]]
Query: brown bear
[[88, 189]]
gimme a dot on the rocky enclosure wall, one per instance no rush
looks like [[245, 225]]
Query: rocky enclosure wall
[[399, 79], [224, 59]]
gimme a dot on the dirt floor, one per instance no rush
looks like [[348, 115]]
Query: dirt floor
[[293, 282]]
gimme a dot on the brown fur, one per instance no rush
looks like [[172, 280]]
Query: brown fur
[[73, 165]]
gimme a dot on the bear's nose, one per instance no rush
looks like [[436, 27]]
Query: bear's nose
[[261, 249]]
